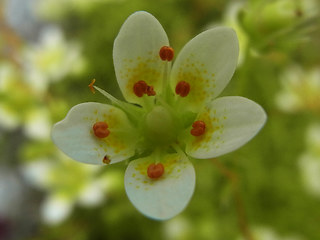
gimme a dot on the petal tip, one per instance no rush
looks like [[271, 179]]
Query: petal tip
[[164, 198]]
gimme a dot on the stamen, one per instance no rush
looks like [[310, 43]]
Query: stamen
[[150, 91], [166, 53], [155, 170], [91, 85], [100, 130], [106, 160], [141, 87], [198, 128], [183, 88]]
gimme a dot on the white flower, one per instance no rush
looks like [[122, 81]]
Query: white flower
[[309, 161], [172, 114], [300, 91], [67, 183], [51, 59], [267, 233]]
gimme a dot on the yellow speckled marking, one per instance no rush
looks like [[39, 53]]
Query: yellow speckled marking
[[202, 83], [173, 166], [213, 133], [146, 69], [116, 142]]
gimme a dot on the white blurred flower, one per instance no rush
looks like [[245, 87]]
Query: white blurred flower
[[92, 195], [300, 90], [54, 9], [11, 193], [55, 209], [310, 170], [36, 172], [51, 59], [23, 88], [313, 139], [38, 124], [68, 183], [8, 119], [8, 116], [267, 233], [177, 228], [309, 161]]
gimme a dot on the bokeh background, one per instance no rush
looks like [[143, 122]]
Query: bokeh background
[[268, 190]]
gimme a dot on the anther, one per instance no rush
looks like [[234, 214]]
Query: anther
[[150, 91], [91, 85], [155, 170], [183, 88], [198, 128], [141, 87], [100, 129], [166, 53], [106, 160]]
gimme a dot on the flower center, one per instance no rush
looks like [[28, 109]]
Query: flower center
[[100, 129], [160, 126]]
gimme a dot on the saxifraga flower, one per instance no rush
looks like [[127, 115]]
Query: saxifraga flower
[[171, 114]]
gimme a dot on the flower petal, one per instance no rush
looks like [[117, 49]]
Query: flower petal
[[207, 63], [165, 197], [136, 54], [75, 137], [230, 123]]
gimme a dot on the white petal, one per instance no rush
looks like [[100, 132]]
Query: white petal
[[230, 123], [75, 137], [165, 197], [207, 63], [136, 54]]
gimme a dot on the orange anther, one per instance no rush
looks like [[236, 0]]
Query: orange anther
[[140, 88], [150, 91], [198, 128], [100, 129], [166, 53], [183, 88], [106, 160], [91, 85], [155, 170]]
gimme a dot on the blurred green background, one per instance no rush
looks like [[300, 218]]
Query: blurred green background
[[268, 190]]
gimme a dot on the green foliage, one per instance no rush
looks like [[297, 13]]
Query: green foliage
[[280, 33]]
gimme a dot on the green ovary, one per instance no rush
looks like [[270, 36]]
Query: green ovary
[[160, 125]]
